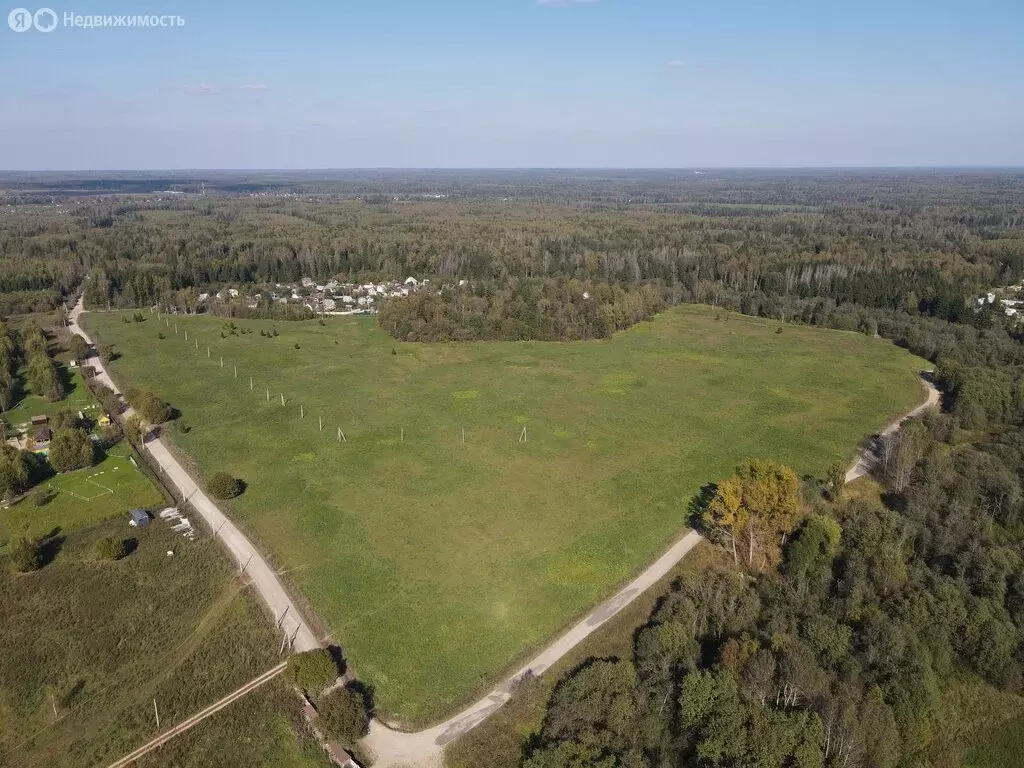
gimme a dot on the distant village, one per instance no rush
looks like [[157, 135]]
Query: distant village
[[331, 298], [1010, 299]]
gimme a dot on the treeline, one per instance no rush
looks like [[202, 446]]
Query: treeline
[[888, 240], [837, 653], [545, 310]]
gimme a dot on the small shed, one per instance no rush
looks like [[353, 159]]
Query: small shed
[[138, 518], [38, 421]]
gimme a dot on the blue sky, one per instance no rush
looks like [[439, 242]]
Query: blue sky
[[512, 83]]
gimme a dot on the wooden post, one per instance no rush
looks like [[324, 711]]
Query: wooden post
[[403, 434], [207, 350], [236, 371], [302, 412], [157, 713], [186, 336], [522, 437], [250, 383], [321, 423], [222, 362], [341, 436], [197, 341], [282, 399], [268, 395], [463, 434], [245, 566]]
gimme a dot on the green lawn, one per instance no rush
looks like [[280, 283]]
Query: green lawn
[[87, 645], [438, 562], [76, 398], [78, 499]]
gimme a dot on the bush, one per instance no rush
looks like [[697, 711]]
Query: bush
[[224, 486], [78, 347], [343, 715], [71, 449], [312, 671], [109, 548], [106, 353], [150, 407], [25, 555]]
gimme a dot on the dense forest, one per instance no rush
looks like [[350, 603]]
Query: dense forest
[[833, 635]]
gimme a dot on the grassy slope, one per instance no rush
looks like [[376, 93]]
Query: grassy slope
[[437, 562], [100, 640]]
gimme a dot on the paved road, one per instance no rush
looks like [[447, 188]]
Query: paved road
[[263, 577], [197, 718]]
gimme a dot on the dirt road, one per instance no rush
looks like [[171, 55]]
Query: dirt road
[[198, 717], [257, 569]]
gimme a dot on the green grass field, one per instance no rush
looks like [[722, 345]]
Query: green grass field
[[438, 562], [79, 499], [88, 644]]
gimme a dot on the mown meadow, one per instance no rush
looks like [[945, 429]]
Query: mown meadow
[[438, 541]]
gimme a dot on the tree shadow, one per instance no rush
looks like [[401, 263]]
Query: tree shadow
[[49, 547], [338, 657], [366, 691], [698, 505], [130, 546]]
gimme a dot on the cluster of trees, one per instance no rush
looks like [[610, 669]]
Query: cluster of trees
[[839, 656], [41, 372], [342, 711], [8, 367], [546, 310]]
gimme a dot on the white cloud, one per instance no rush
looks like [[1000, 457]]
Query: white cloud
[[675, 64], [202, 89]]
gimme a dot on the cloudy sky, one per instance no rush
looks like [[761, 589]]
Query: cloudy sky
[[513, 83]]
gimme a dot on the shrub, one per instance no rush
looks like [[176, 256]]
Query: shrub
[[297, 346], [78, 347], [25, 555], [133, 431], [106, 353], [343, 716], [224, 486], [109, 548], [150, 407], [312, 671]]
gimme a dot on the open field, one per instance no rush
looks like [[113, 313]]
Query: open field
[[108, 489], [437, 560], [87, 645]]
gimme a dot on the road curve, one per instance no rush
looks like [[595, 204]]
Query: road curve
[[425, 748], [868, 458], [263, 577], [198, 717]]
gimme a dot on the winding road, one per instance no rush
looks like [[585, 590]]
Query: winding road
[[424, 749]]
